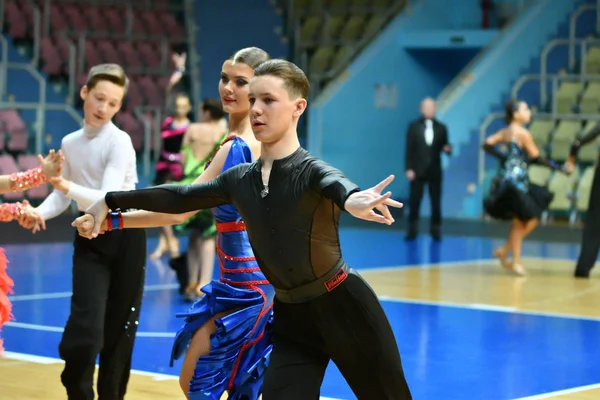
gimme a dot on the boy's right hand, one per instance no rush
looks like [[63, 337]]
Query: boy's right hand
[[52, 164]]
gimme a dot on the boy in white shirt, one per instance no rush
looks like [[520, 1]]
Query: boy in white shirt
[[108, 272]]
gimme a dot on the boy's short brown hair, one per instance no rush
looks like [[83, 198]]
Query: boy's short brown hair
[[107, 72], [294, 79]]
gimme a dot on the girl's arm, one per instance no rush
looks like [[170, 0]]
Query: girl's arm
[[20, 181], [147, 219]]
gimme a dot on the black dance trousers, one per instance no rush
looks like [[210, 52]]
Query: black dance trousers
[[417, 189], [590, 241], [347, 325], [108, 284]]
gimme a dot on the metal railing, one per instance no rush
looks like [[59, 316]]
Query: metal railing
[[584, 43], [147, 137], [2, 12], [555, 80], [127, 5], [37, 30], [154, 127], [193, 57], [3, 66], [573, 28], [300, 50], [451, 92], [41, 106], [41, 24], [81, 44], [40, 125], [72, 72], [145, 4]]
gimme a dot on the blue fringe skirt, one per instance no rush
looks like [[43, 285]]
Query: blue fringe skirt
[[240, 347]]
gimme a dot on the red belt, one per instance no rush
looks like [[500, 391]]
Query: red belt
[[231, 226]]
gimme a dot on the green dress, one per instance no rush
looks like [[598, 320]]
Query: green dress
[[202, 222]]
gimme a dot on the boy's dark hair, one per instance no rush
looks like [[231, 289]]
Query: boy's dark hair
[[294, 79]]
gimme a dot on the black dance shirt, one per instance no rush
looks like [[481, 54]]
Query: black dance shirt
[[292, 223]]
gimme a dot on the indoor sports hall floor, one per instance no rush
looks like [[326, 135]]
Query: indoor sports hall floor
[[466, 329]]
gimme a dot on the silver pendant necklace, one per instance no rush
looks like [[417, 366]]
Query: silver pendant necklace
[[265, 192]]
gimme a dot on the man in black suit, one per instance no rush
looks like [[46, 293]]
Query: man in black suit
[[426, 139]]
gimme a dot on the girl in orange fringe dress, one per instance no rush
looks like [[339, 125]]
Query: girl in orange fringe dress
[[21, 212]]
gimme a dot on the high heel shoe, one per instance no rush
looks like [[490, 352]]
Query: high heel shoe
[[501, 256], [518, 269]]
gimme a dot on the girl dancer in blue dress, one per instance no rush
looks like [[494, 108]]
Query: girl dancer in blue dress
[[226, 336]]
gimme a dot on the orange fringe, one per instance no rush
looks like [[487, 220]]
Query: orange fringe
[[6, 286]]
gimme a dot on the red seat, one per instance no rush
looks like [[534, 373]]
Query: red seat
[[12, 121], [115, 18], [17, 22], [18, 142], [58, 19], [77, 22], [94, 19], [51, 58]]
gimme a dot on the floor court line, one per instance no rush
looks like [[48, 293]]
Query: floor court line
[[58, 329], [60, 295], [571, 296], [161, 377], [480, 307], [561, 392], [362, 271], [486, 307], [450, 264], [50, 360], [158, 287]]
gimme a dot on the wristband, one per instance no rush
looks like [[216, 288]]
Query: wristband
[[20, 181], [11, 211], [116, 220]]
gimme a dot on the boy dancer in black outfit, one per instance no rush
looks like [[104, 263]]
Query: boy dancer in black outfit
[[290, 203]]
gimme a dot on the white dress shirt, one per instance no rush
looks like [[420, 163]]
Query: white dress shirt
[[97, 161], [428, 132]]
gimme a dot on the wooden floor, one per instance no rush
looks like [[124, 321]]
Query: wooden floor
[[26, 380], [593, 394], [43, 383], [548, 289]]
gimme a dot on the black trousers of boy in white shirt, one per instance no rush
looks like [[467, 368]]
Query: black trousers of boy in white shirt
[[108, 284]]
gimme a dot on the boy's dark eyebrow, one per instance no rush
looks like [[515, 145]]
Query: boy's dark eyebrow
[[109, 98], [262, 94]]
